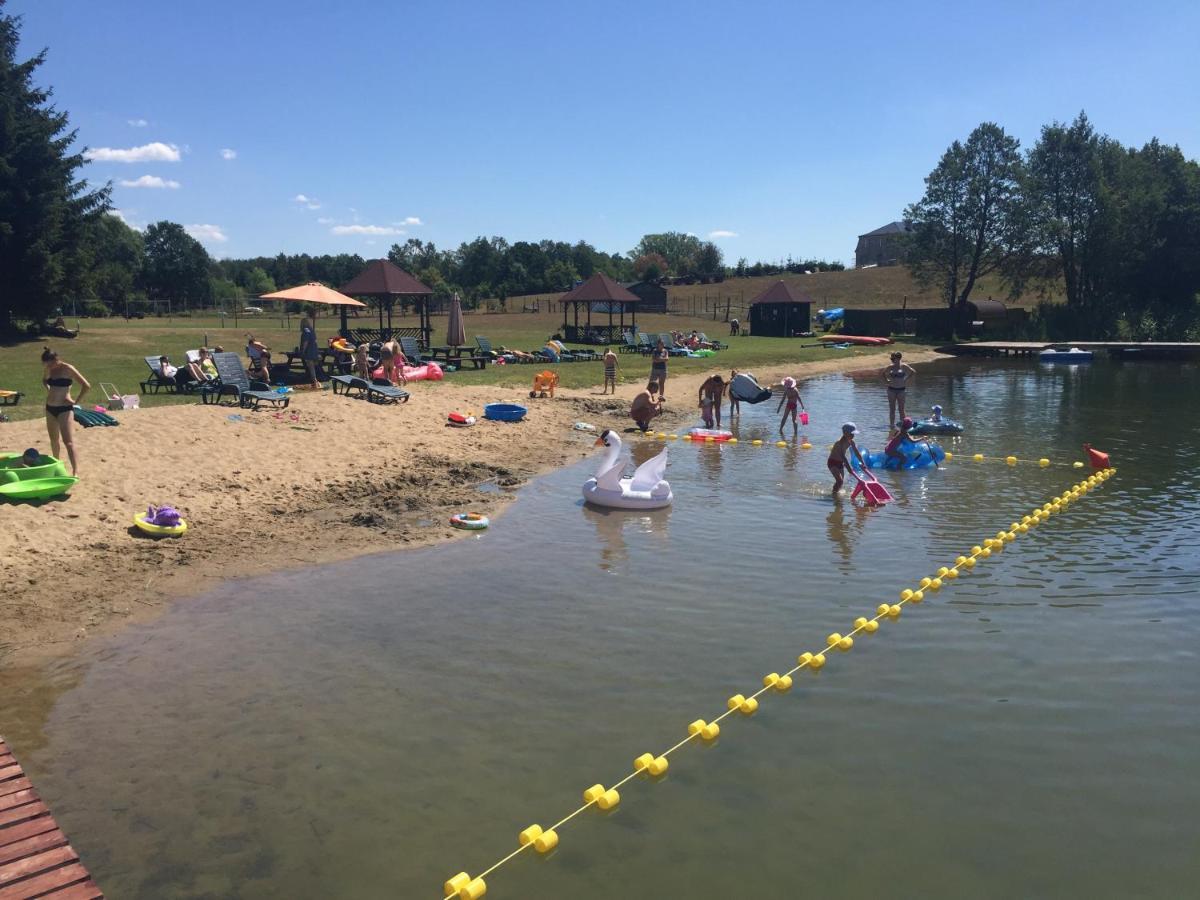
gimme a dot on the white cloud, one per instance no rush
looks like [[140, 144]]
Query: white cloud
[[154, 152], [150, 181], [137, 123], [307, 202], [325, 220], [211, 233], [722, 233], [228, 154], [365, 229], [412, 220]]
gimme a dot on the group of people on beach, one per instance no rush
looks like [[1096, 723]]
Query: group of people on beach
[[647, 405]]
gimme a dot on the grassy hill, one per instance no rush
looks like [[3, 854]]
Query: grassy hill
[[855, 288]]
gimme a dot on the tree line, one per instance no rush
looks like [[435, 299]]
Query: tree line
[[1113, 230]]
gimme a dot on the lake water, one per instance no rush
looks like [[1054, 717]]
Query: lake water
[[370, 728]]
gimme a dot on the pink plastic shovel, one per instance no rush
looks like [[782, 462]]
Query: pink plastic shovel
[[873, 490]]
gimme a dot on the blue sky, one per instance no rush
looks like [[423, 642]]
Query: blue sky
[[778, 128]]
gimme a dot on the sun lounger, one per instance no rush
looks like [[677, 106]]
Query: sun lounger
[[412, 351], [10, 398], [716, 345], [631, 344], [669, 343], [645, 344], [375, 392], [156, 381], [232, 379]]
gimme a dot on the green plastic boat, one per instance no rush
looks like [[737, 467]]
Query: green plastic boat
[[12, 470], [37, 488]]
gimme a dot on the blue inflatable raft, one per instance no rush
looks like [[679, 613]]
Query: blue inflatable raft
[[928, 426], [916, 456]]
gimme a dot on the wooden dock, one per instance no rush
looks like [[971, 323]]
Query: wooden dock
[[1117, 349], [35, 859]]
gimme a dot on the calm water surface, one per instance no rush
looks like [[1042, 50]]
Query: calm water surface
[[370, 728]]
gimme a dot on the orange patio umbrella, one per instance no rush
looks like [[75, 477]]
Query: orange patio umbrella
[[313, 292]]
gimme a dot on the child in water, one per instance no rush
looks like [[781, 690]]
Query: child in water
[[837, 461], [791, 396], [892, 449]]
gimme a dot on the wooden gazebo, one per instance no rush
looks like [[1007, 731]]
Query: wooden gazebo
[[781, 311], [387, 283], [604, 297]]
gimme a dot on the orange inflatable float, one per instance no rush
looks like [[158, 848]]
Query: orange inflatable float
[[1095, 457]]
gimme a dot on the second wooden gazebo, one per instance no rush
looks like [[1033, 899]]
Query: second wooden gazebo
[[387, 283], [600, 295]]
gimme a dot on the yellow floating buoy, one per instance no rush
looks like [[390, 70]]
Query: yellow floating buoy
[[769, 680], [985, 552], [756, 443], [924, 583], [833, 639], [917, 597], [804, 658], [546, 841], [1011, 460], [882, 609], [893, 611], [672, 437], [748, 706], [959, 560], [711, 731], [951, 574], [662, 435], [817, 661], [871, 627], [969, 562], [608, 799], [860, 623], [845, 643], [594, 793], [781, 443], [1077, 465], [935, 584], [806, 446], [732, 441], [784, 684], [941, 572], [949, 455], [1043, 462], [456, 884], [905, 594], [533, 832], [709, 439], [735, 701], [685, 437], [978, 457]]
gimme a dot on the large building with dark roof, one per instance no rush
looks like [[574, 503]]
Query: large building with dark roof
[[882, 247]]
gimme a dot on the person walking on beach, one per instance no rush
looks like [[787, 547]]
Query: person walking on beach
[[310, 352], [896, 376], [712, 392], [791, 396], [610, 371], [58, 376], [837, 461], [658, 367]]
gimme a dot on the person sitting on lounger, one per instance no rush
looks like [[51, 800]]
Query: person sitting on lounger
[[208, 368], [260, 368]]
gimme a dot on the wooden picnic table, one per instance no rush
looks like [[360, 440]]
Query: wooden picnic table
[[454, 356]]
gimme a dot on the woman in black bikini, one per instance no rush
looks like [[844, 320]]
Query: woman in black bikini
[[896, 376], [58, 378], [658, 367]]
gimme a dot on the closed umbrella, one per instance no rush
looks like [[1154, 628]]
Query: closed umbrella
[[456, 334]]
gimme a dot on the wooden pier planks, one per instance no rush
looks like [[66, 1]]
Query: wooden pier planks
[[36, 861]]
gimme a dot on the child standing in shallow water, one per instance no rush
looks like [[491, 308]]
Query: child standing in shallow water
[[610, 371], [791, 396], [837, 461]]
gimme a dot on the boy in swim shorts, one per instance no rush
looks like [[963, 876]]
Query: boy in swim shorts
[[837, 461]]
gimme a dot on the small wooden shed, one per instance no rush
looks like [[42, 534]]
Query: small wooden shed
[[781, 311]]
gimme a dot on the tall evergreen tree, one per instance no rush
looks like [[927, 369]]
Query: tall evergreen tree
[[44, 206]]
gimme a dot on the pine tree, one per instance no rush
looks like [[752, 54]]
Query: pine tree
[[44, 208]]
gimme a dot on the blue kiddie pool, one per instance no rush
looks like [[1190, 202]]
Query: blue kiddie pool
[[504, 412]]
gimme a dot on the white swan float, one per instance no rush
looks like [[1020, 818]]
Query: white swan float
[[645, 490]]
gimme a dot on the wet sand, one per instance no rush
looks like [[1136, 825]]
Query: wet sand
[[328, 479]]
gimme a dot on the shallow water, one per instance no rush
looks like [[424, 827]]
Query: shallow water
[[370, 728]]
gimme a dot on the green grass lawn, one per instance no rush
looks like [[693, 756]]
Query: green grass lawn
[[111, 350]]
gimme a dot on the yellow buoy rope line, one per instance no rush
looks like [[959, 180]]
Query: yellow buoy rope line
[[466, 887], [1043, 462]]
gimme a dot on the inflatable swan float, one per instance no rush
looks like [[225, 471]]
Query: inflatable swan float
[[645, 490]]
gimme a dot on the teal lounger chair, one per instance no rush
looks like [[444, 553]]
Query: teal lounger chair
[[373, 391]]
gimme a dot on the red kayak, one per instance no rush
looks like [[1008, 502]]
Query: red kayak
[[854, 339]]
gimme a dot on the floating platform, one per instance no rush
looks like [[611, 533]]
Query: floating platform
[[35, 858], [1127, 350]]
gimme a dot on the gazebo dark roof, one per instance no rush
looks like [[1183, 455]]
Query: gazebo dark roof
[[782, 292], [600, 289], [381, 278]]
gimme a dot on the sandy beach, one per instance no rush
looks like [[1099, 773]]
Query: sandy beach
[[328, 479]]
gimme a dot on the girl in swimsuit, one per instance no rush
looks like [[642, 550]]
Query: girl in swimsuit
[[792, 397], [658, 367], [837, 461], [896, 376], [60, 408]]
